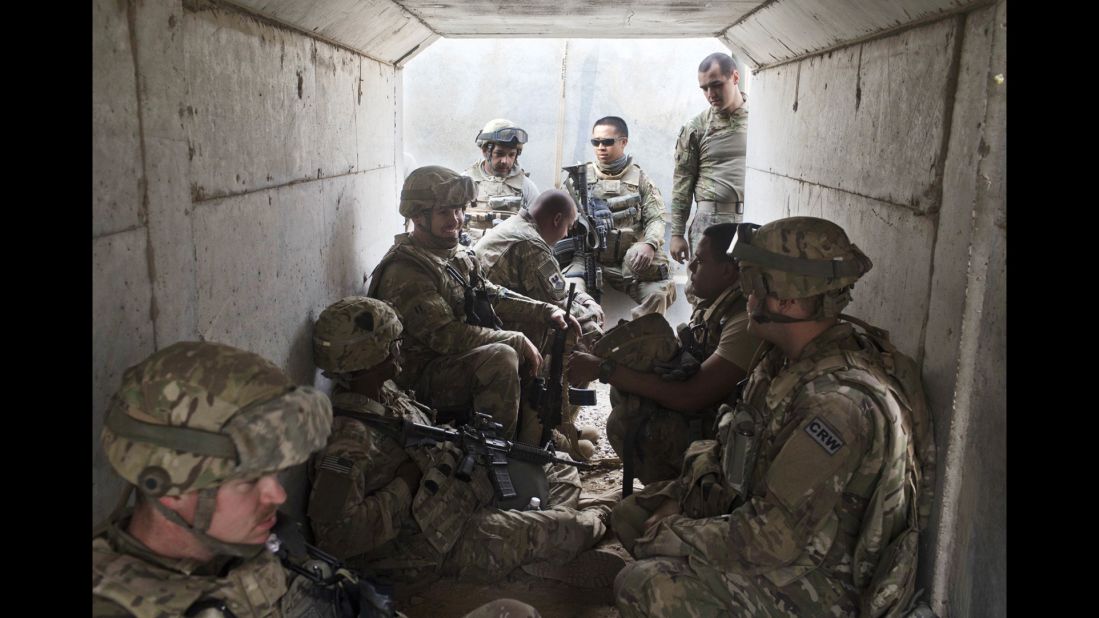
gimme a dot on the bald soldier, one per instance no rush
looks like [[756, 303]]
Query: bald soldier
[[457, 355], [806, 504]]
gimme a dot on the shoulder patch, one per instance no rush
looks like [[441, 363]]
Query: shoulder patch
[[824, 435]]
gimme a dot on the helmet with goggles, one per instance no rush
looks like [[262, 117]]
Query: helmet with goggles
[[431, 186], [503, 132], [800, 257]]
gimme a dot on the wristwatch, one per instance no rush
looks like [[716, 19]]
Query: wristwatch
[[606, 368]]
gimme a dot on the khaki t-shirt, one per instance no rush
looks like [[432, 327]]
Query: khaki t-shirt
[[736, 345]]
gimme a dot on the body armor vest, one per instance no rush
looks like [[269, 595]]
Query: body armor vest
[[496, 198], [626, 212]]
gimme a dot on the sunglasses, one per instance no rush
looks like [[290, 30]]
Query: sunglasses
[[608, 142]]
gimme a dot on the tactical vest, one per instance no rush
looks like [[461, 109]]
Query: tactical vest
[[884, 549], [627, 227], [481, 215], [455, 287], [703, 332], [256, 588]]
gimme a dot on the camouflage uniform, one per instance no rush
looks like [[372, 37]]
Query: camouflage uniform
[[653, 288], [363, 512], [514, 256], [710, 159], [662, 436], [806, 501], [516, 184], [243, 406], [449, 362]]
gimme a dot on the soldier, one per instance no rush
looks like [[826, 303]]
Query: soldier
[[503, 188], [710, 157], [679, 409], [457, 355], [401, 511], [633, 262], [806, 504], [201, 430], [518, 255]]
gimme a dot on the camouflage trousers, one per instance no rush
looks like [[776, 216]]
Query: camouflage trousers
[[698, 581], [660, 437], [485, 378], [496, 541], [503, 608], [650, 296], [700, 220]]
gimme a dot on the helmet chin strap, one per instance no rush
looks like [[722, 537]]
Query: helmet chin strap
[[204, 512]]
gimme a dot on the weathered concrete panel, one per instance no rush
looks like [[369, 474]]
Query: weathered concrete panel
[[375, 115], [866, 119], [380, 29], [254, 128], [270, 261], [893, 295], [580, 18], [334, 142], [122, 335], [788, 29], [116, 146]]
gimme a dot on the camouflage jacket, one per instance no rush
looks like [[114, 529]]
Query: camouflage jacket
[[431, 303], [128, 579], [515, 256], [830, 439], [362, 512], [647, 225], [710, 157], [515, 184]]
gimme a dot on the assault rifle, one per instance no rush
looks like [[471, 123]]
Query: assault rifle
[[480, 444], [545, 395], [589, 238]]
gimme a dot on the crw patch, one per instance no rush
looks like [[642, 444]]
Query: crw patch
[[827, 437]]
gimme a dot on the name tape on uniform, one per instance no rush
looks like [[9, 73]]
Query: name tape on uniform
[[827, 437]]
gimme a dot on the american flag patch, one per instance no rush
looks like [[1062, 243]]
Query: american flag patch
[[335, 463]]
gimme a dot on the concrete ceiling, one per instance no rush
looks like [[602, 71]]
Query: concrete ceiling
[[761, 32]]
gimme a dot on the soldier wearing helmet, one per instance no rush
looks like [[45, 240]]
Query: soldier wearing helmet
[[399, 510], [503, 188], [815, 471], [201, 430], [456, 354]]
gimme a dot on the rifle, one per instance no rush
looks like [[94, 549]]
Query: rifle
[[546, 396], [480, 444], [590, 237]]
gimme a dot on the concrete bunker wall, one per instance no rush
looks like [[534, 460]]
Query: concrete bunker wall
[[243, 176], [901, 140]]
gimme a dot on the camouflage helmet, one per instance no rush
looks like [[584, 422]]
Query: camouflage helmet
[[195, 415], [427, 187], [800, 257], [502, 131], [354, 334]]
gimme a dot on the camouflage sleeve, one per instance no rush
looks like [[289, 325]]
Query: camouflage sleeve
[[513, 306], [652, 212], [426, 313], [105, 608], [684, 178], [541, 275], [803, 485], [357, 502]]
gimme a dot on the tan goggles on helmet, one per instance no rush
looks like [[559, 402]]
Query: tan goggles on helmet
[[504, 136], [454, 192]]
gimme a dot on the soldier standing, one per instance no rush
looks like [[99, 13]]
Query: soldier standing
[[503, 188], [457, 356], [633, 261], [710, 157], [815, 475], [402, 511]]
